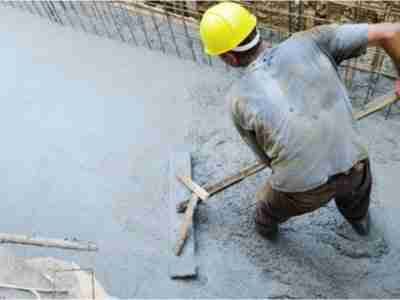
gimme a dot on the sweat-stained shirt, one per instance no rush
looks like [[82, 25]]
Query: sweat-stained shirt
[[292, 109]]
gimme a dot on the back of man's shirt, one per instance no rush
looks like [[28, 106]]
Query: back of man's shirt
[[292, 105]]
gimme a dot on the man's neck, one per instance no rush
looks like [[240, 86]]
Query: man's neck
[[261, 48]]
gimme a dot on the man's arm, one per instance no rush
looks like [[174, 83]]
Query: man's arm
[[351, 40], [341, 42], [386, 36], [249, 138]]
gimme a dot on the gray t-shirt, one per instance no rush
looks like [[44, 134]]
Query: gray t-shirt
[[293, 110]]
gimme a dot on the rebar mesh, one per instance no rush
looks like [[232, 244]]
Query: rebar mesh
[[172, 27]]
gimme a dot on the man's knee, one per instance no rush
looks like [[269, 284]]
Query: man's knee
[[263, 214], [263, 208], [275, 206], [264, 193], [268, 210], [265, 223]]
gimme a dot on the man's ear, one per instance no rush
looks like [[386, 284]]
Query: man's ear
[[231, 59]]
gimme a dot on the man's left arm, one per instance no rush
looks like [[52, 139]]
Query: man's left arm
[[387, 36]]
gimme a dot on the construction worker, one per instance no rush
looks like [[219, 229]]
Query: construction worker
[[294, 112]]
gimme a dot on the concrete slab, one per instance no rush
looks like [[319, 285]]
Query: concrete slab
[[87, 125]]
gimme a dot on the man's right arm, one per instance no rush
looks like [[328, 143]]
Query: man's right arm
[[351, 40], [249, 138], [341, 42], [387, 36]]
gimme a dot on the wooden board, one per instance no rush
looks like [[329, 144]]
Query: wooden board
[[187, 224], [183, 266], [6, 238]]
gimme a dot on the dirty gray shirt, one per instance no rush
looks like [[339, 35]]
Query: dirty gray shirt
[[293, 110]]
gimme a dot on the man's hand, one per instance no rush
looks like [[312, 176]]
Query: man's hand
[[386, 36]]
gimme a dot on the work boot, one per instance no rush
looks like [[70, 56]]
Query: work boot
[[268, 232], [362, 226]]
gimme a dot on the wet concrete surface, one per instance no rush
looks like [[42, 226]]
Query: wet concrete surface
[[87, 125]]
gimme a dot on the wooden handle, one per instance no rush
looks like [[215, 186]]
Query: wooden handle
[[44, 242], [185, 226], [194, 187], [225, 183], [376, 105]]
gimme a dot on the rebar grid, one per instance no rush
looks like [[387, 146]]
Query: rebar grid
[[172, 26]]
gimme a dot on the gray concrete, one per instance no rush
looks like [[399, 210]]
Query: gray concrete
[[87, 125]]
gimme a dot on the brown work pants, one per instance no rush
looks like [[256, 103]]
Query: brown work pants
[[351, 191]]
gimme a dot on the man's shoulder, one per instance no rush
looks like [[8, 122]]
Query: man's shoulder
[[315, 32], [297, 42]]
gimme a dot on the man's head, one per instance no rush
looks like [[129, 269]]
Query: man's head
[[229, 30]]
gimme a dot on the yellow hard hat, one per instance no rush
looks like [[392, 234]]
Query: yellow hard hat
[[224, 26]]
